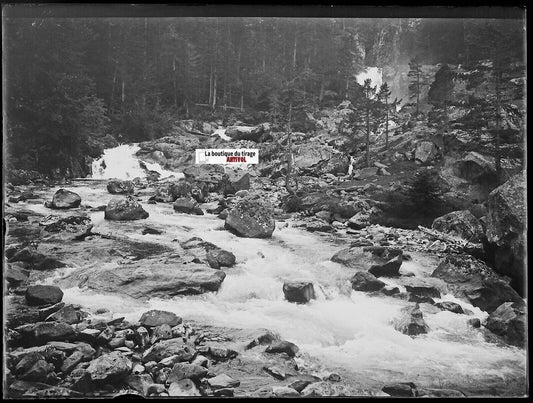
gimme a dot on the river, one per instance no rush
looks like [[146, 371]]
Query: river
[[342, 330]]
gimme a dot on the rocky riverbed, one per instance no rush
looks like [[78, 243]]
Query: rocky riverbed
[[211, 286]]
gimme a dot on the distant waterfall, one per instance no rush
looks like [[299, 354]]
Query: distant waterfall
[[121, 163]]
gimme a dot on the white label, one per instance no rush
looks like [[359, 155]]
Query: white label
[[227, 156]]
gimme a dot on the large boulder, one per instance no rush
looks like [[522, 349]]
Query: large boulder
[[156, 317], [167, 348], [283, 346], [462, 224], [76, 224], [425, 152], [117, 186], [390, 268], [309, 155], [43, 332], [470, 279], [182, 370], [364, 281], [211, 176], [64, 199], [126, 209], [251, 219], [187, 205], [509, 322], [338, 164], [506, 225], [476, 168], [411, 321], [299, 291], [257, 133], [150, 278], [109, 367], [236, 179], [43, 294], [223, 381]]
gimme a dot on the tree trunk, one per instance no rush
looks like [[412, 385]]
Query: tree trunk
[[289, 156], [321, 93], [367, 136], [498, 125], [210, 101], [174, 81], [417, 90], [123, 97], [294, 53], [214, 91], [386, 124]]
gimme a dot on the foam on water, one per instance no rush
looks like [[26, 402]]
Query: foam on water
[[375, 74]]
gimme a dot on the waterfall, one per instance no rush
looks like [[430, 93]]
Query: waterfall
[[374, 73], [122, 163]]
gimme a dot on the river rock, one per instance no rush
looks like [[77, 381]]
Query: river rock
[[71, 362], [350, 257], [359, 221], [390, 268], [411, 322], [28, 361], [187, 206], [117, 186], [64, 199], [186, 371], [402, 389], [251, 219], [506, 226], [139, 382], [364, 281], [425, 152], [210, 175], [302, 381], [110, 367], [450, 306], [299, 291], [39, 372], [125, 209], [184, 387], [16, 274], [423, 291], [167, 348], [284, 391], [43, 294], [150, 278], [223, 381], [47, 311], [473, 281], [475, 167], [283, 346], [155, 318], [67, 314], [43, 332], [220, 258], [462, 224], [309, 154], [236, 180], [37, 260], [440, 393], [262, 337], [509, 322], [74, 224]]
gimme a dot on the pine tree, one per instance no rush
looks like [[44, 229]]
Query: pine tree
[[415, 83], [383, 95]]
